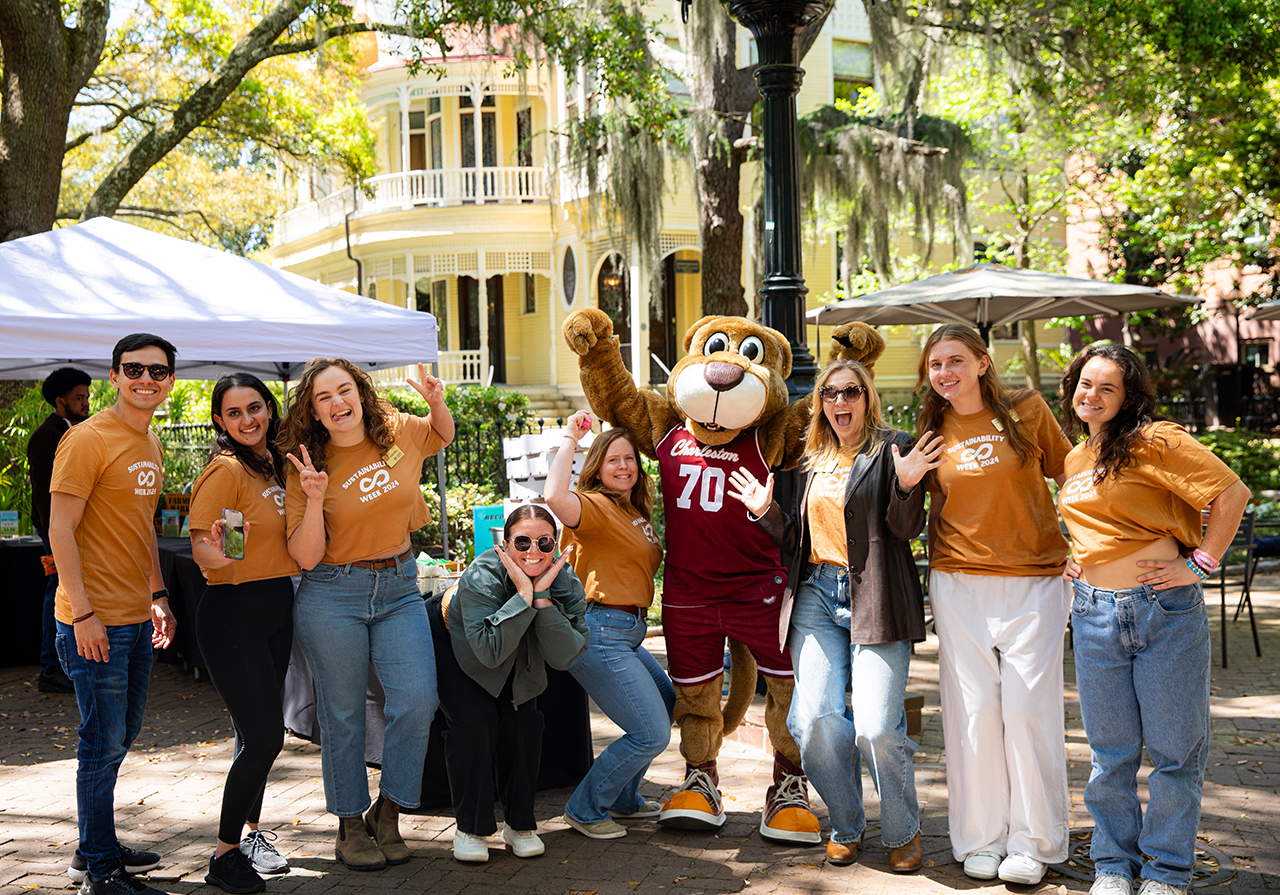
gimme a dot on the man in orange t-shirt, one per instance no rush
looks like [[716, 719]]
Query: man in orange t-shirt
[[111, 603]]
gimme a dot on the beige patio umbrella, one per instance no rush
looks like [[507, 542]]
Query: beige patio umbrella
[[990, 295]]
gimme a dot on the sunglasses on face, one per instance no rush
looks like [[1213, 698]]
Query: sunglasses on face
[[524, 543], [850, 393], [159, 372]]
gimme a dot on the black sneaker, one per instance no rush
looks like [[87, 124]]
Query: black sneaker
[[134, 862], [117, 882], [55, 683], [233, 873]]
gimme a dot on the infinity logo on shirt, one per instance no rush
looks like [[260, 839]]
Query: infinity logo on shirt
[[982, 452], [377, 480], [146, 478]]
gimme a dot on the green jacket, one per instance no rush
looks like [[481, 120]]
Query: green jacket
[[493, 630]]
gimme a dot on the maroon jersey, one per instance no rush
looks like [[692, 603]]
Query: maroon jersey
[[714, 552]]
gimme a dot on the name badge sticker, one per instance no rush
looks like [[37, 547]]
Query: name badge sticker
[[393, 456]]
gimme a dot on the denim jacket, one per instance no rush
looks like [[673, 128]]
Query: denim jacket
[[493, 630]]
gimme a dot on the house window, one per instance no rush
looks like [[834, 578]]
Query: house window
[[440, 307], [851, 67], [569, 276], [530, 295], [1008, 332], [417, 141], [1257, 354]]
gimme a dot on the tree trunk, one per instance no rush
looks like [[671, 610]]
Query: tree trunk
[[721, 222], [45, 66]]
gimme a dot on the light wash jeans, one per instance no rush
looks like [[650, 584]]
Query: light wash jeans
[[833, 738], [112, 697], [1142, 669], [632, 689], [344, 618]]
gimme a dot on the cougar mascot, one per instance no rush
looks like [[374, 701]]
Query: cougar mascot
[[725, 408]]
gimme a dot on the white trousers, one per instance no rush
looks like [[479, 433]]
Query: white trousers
[[1000, 677]]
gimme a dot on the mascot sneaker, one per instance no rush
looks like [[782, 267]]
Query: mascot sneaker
[[695, 805], [787, 816]]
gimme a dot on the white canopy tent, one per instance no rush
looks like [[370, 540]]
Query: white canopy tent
[[67, 296]]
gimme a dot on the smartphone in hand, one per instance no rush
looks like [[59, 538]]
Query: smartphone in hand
[[233, 534]]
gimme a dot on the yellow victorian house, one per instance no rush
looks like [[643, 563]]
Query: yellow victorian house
[[470, 218]]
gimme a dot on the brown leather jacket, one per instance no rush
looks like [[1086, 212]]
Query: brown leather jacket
[[884, 587]]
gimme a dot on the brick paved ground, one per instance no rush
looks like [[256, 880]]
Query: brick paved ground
[[170, 785]]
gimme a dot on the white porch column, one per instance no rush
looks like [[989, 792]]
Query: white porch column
[[406, 200], [639, 280], [482, 274]]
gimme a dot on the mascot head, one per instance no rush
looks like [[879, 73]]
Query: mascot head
[[732, 377]]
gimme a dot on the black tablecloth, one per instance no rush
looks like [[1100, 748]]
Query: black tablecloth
[[22, 584], [186, 586]]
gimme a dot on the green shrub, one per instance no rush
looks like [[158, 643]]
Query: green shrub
[[1253, 457], [462, 499]]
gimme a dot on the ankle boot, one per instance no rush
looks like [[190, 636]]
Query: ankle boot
[[382, 822], [354, 847]]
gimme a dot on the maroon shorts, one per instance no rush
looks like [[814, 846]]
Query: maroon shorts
[[696, 638]]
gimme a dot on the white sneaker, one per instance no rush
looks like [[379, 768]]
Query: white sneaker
[[1111, 885], [1155, 887], [1021, 869], [523, 843], [982, 865], [261, 853], [469, 847]]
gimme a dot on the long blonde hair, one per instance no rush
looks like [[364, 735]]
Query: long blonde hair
[[641, 496], [995, 394], [821, 442]]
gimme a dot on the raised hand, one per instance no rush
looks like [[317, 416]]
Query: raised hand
[[314, 484], [747, 489], [579, 425], [923, 456], [428, 386], [217, 531]]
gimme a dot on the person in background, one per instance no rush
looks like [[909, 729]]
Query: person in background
[[853, 605], [515, 610], [996, 556], [1132, 502], [352, 498], [67, 391], [244, 623], [112, 607], [608, 523]]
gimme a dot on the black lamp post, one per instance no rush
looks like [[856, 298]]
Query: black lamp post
[[778, 26]]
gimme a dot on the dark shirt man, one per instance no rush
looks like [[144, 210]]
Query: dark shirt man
[[67, 391]]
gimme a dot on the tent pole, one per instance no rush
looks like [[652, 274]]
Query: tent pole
[[440, 485]]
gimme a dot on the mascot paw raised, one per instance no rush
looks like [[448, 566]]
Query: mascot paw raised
[[725, 408]]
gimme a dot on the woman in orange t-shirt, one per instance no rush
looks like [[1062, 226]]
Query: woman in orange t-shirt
[[996, 557], [351, 501], [244, 623], [609, 521], [1132, 500]]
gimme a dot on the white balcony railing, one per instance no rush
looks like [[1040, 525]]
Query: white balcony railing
[[416, 189], [461, 367]]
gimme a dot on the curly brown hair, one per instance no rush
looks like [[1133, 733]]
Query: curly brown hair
[[1124, 432], [301, 427], [995, 394], [641, 497]]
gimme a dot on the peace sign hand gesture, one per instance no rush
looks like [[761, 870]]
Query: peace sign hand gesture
[[313, 483], [923, 456], [431, 388]]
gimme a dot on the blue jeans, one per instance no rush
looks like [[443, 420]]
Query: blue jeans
[[49, 661], [112, 697], [344, 618], [833, 738], [632, 689], [1142, 669]]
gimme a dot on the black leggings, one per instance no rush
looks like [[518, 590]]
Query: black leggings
[[245, 632], [487, 736]]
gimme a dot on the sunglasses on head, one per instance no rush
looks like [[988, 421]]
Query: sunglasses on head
[[159, 372], [524, 543], [850, 393]]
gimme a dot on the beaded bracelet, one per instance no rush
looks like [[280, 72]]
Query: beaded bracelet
[[1200, 573], [1205, 560]]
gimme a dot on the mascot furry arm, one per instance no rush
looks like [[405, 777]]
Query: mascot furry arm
[[732, 377]]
